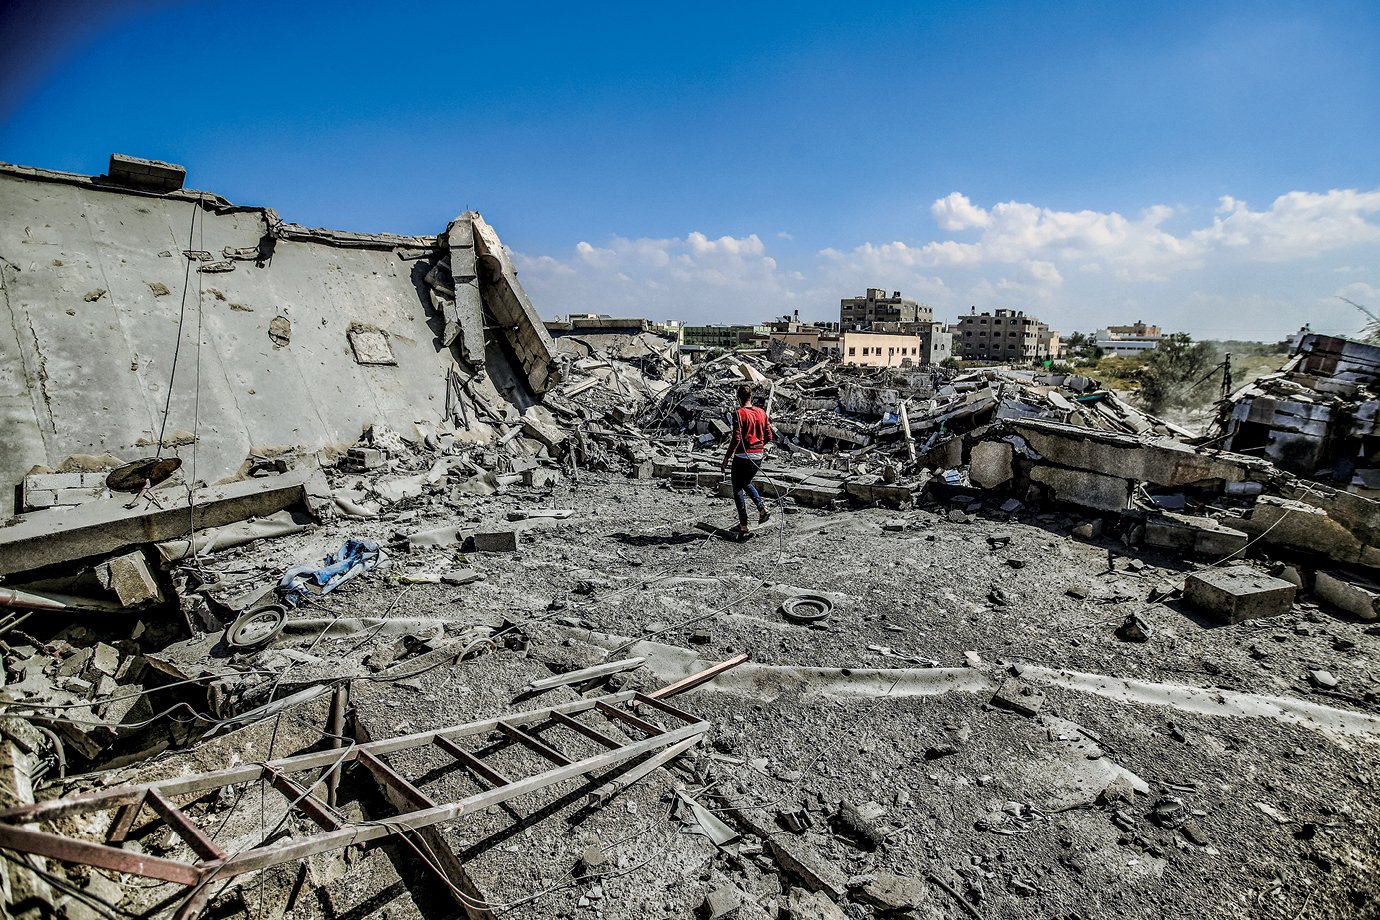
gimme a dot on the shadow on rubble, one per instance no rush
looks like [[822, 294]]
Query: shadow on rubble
[[645, 539]]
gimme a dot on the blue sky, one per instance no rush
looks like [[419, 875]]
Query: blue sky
[[1211, 166]]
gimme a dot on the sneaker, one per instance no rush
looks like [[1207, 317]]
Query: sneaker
[[763, 515]]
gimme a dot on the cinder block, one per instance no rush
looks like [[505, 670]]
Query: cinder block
[[364, 458], [1238, 593], [495, 541]]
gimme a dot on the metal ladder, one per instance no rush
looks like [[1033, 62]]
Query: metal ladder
[[156, 799]]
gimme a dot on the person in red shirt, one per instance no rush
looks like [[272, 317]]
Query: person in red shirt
[[746, 448]]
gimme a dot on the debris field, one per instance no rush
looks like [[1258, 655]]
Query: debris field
[[338, 584]]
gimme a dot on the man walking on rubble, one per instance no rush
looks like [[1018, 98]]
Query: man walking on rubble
[[746, 448]]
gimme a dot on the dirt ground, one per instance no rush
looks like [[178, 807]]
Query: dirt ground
[[1198, 773]]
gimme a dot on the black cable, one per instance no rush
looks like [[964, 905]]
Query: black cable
[[181, 319]]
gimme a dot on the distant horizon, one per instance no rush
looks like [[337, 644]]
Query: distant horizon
[[1210, 165]]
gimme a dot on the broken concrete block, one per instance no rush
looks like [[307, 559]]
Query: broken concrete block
[[131, 580], [813, 905], [539, 478], [1238, 593], [1194, 535], [364, 458], [1078, 487], [105, 659], [721, 903], [990, 464], [1356, 596], [370, 345], [495, 541], [890, 892], [1019, 697]]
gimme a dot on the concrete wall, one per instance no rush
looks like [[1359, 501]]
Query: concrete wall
[[91, 288]]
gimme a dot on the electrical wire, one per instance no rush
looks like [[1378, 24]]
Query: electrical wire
[[181, 320]]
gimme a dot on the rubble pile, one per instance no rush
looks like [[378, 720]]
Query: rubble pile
[[446, 625]]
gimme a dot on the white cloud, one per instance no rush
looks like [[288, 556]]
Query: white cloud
[[693, 277], [1081, 268]]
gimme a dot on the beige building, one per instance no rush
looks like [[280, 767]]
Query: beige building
[[880, 349]]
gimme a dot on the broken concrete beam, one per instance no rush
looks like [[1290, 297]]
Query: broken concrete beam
[[895, 494], [1160, 461], [504, 296], [150, 175], [1194, 535], [26, 894], [990, 464], [1238, 593], [1079, 487], [1356, 596], [104, 528], [1303, 526]]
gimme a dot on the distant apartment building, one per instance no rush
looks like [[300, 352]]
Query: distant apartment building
[[1006, 335], [875, 307], [879, 349], [721, 336], [1123, 341], [823, 337]]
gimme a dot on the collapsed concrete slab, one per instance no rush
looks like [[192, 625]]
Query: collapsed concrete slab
[[1194, 535], [105, 527], [1161, 461]]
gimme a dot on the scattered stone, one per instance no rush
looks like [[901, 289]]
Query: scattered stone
[[1088, 530], [1134, 629], [495, 541], [721, 903], [1323, 679]]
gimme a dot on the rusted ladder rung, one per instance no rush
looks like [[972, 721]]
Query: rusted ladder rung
[[391, 778], [647, 727], [302, 800], [576, 725], [182, 825], [535, 743], [473, 763], [665, 707], [124, 822]]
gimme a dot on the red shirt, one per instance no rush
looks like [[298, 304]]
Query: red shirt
[[751, 430]]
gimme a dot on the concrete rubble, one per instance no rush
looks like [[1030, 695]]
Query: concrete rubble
[[1072, 659]]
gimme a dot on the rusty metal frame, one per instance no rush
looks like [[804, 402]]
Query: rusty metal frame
[[157, 797]]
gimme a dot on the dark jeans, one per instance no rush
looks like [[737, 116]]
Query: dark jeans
[[743, 471]]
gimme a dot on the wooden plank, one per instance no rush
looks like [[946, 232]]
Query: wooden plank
[[629, 777], [535, 743], [204, 846], [391, 778], [575, 677], [664, 707], [694, 680], [475, 765], [593, 734], [647, 727]]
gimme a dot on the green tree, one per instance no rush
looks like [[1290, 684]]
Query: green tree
[[1174, 372]]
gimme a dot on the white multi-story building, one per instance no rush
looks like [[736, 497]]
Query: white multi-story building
[[1123, 341]]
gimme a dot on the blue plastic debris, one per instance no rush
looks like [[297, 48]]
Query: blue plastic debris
[[355, 556]]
